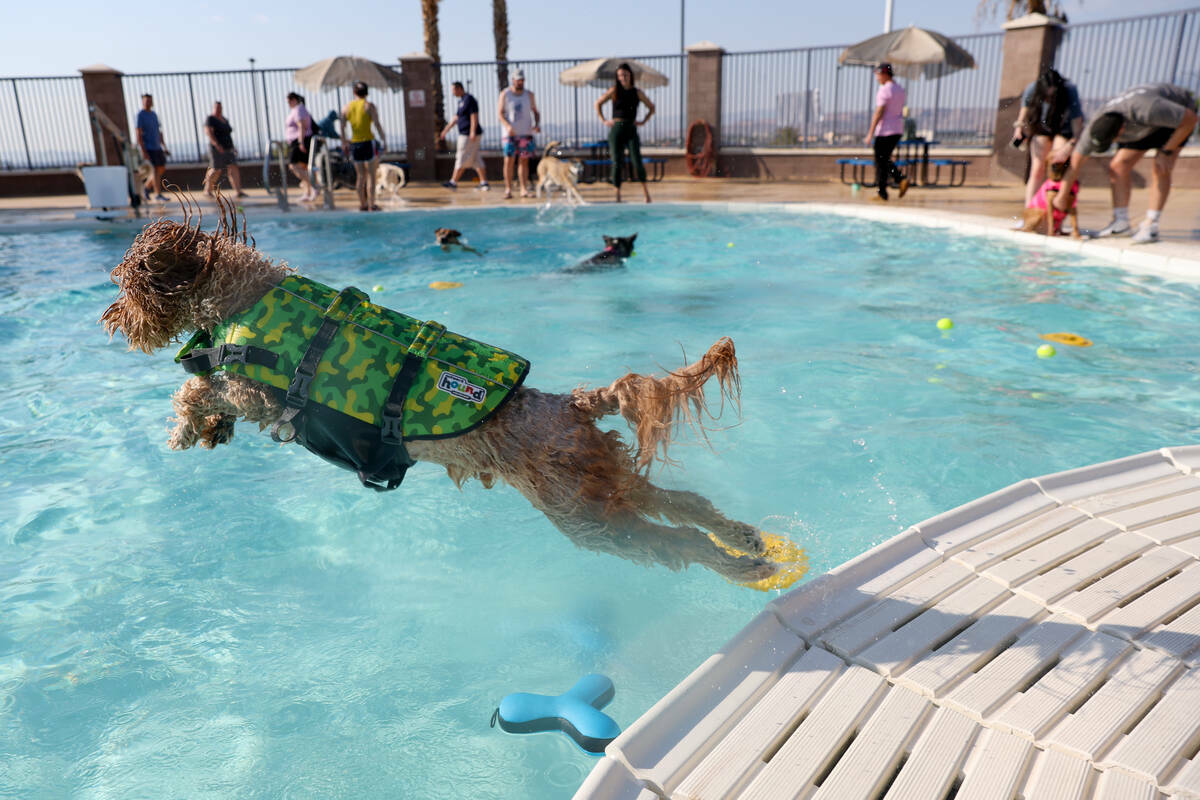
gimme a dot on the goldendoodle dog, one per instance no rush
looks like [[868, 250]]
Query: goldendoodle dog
[[314, 365]]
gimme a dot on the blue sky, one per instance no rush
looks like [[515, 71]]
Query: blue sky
[[58, 38]]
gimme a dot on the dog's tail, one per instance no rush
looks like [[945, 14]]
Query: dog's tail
[[654, 406], [549, 149]]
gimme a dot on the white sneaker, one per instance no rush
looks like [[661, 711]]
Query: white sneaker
[[483, 187], [1118, 227], [1146, 234]]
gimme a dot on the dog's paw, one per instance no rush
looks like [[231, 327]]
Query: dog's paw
[[218, 429], [750, 570], [742, 537]]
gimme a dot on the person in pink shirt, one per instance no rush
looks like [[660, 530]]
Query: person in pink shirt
[[887, 125], [299, 136]]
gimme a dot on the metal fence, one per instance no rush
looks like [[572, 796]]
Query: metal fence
[[47, 123], [1104, 58], [254, 103], [568, 113], [783, 98], [804, 98]]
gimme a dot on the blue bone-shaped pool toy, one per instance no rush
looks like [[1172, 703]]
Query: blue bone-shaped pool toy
[[575, 712]]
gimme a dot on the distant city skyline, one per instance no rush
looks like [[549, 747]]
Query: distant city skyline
[[173, 35]]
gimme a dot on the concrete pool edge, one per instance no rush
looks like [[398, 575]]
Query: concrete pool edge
[[1166, 259], [829, 644]]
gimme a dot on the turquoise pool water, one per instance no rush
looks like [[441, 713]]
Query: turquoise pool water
[[248, 622]]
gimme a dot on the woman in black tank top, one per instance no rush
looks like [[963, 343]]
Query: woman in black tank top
[[623, 127]]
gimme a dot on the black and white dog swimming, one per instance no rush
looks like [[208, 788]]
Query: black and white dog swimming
[[616, 250]]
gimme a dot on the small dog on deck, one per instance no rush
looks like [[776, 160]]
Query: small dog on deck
[[592, 486], [564, 174], [389, 180], [1041, 216], [616, 250], [448, 239]]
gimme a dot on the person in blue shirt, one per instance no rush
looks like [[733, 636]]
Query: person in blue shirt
[[150, 142], [470, 134]]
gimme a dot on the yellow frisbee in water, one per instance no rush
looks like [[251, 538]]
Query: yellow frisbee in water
[[1073, 339], [445, 285], [791, 558]]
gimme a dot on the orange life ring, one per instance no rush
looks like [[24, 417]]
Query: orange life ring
[[699, 160]]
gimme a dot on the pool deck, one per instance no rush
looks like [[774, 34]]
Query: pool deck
[[1042, 642], [987, 210]]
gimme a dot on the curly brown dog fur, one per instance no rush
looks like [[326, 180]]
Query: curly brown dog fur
[[175, 279]]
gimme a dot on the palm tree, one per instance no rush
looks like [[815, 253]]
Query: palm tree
[[500, 31], [429, 15]]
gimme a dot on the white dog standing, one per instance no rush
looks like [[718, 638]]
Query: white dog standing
[[390, 179]]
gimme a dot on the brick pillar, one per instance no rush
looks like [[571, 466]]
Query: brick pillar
[[419, 125], [1030, 43], [102, 88], [704, 88]]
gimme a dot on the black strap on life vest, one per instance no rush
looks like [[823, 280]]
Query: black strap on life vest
[[392, 454], [206, 359], [297, 393]]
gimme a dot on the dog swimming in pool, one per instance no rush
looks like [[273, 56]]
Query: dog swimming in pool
[[375, 391]]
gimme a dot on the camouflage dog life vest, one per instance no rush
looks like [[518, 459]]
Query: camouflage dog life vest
[[357, 379]]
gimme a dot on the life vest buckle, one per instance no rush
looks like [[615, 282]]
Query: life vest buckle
[[232, 354], [297, 393], [392, 430]]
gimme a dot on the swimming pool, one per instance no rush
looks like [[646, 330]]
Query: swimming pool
[[249, 622]]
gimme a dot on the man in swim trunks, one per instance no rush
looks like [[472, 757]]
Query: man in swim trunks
[[521, 119], [361, 114], [222, 155], [150, 142], [1154, 116]]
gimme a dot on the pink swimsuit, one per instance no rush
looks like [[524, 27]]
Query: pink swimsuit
[[1039, 200]]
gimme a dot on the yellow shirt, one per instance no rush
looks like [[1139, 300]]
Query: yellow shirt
[[360, 121]]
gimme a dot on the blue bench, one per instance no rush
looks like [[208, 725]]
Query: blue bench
[[953, 164], [859, 167], [655, 172]]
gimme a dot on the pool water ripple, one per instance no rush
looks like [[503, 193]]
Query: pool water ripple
[[249, 622]]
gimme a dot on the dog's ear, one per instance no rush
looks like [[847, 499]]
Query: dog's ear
[[633, 238]]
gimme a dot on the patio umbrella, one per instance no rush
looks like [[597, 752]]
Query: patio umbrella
[[913, 52], [601, 73], [345, 70]]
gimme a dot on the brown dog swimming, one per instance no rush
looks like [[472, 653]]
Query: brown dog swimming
[[448, 239], [176, 279]]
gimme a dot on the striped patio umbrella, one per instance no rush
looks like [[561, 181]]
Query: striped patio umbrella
[[345, 70], [601, 73], [913, 52]]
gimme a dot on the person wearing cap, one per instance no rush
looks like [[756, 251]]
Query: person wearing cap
[[887, 125], [467, 155], [222, 155], [1154, 116], [361, 114], [521, 119]]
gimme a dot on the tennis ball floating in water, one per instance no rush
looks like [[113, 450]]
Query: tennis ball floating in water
[[729, 245], [1046, 351], [945, 324], [377, 288]]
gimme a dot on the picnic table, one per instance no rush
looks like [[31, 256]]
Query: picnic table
[[913, 160]]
